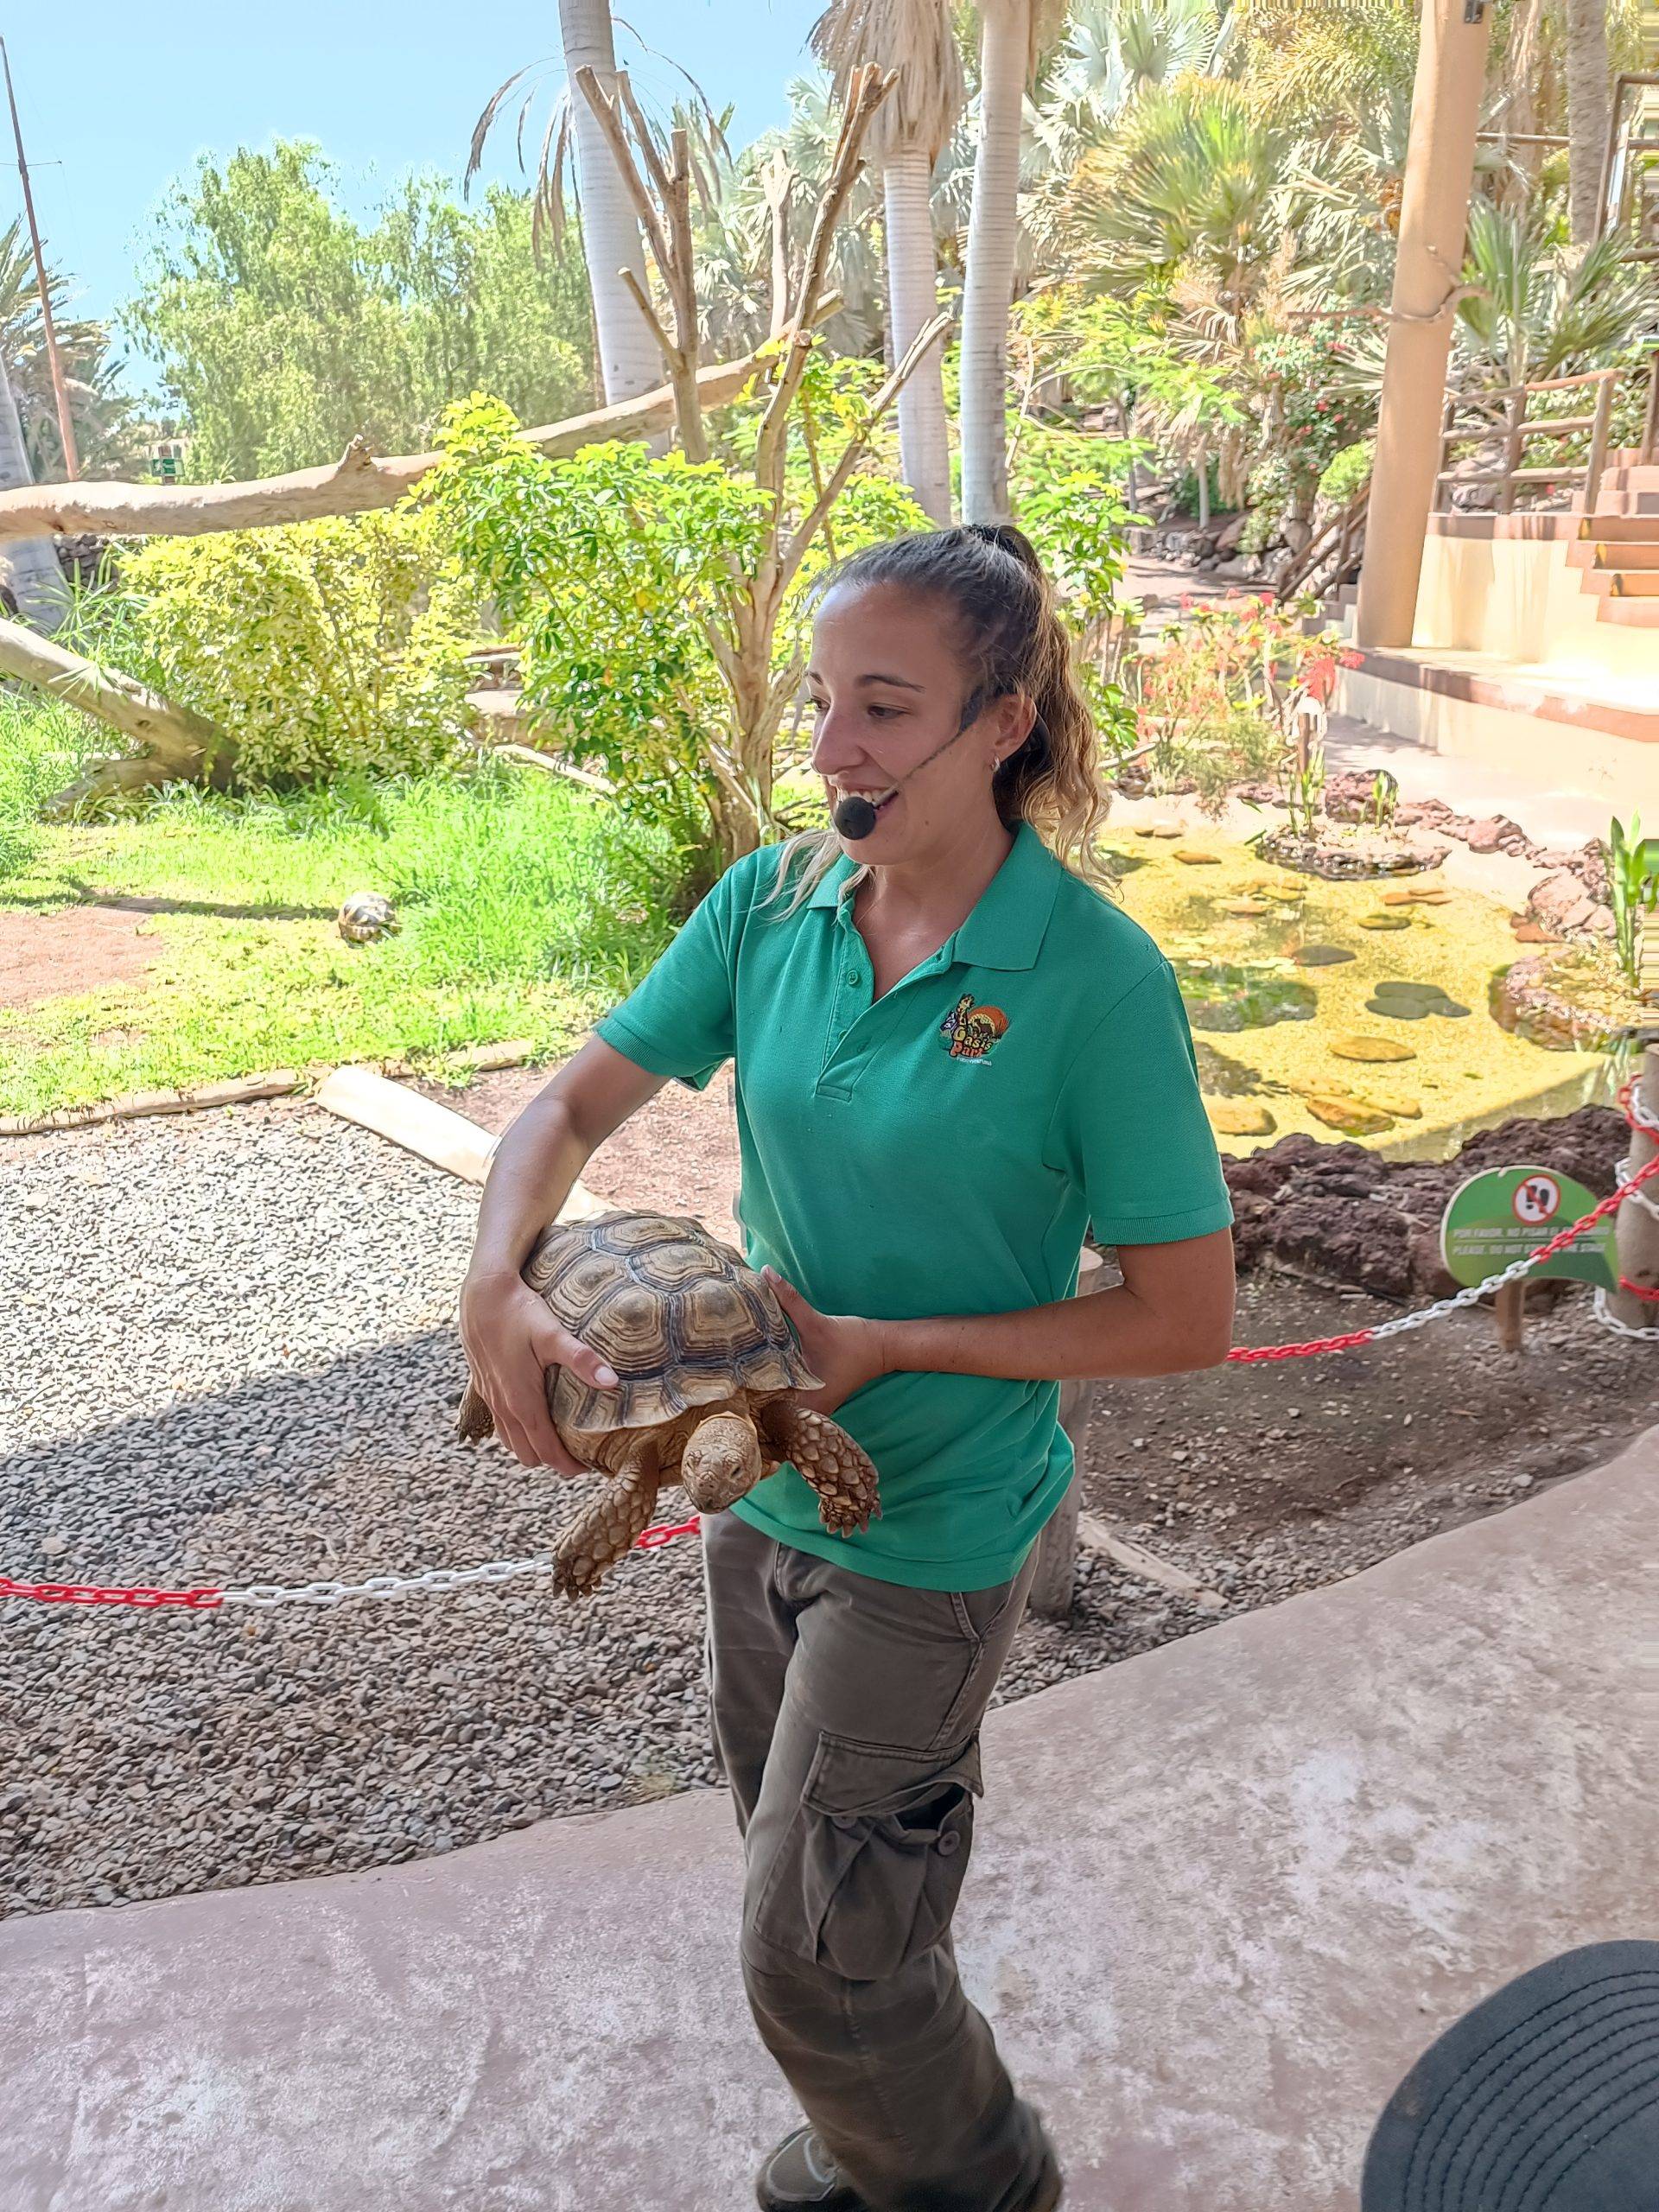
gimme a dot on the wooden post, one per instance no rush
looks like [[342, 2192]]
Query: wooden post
[[1636, 1230], [1512, 445], [1598, 462], [1055, 1581], [1510, 1305]]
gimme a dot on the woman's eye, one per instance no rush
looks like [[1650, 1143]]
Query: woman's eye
[[885, 713], [817, 706]]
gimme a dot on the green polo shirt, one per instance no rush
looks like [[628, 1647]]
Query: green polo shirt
[[942, 1149]]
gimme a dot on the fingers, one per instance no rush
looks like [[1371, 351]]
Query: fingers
[[556, 1347]]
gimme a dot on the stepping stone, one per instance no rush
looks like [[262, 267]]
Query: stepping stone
[[1409, 1001], [1239, 1117], [1357, 1046], [1385, 921], [1353, 1116], [1245, 907], [1417, 894], [1401, 1103], [1320, 955], [1159, 829], [1196, 857]]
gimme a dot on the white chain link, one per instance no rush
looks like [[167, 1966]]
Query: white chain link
[[505, 1570], [382, 1585]]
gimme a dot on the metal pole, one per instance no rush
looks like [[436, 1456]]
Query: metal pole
[[1635, 1231], [66, 426]]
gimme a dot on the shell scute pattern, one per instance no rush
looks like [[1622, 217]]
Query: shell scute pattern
[[679, 1316]]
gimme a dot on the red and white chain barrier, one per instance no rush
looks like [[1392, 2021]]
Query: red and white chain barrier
[[1631, 1181]]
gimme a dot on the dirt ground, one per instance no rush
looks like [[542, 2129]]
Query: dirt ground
[[79, 949], [1261, 1478]]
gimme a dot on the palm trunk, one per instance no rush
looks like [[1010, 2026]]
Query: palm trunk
[[992, 229], [1589, 93], [31, 563], [628, 360], [913, 302]]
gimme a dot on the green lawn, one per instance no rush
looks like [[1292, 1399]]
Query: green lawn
[[525, 908]]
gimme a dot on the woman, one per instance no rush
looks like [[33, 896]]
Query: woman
[[953, 1055]]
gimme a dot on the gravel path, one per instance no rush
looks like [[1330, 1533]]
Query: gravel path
[[226, 1354]]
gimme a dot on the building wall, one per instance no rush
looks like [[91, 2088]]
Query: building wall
[[1517, 596]]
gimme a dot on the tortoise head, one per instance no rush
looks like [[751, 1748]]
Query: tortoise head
[[722, 1461]]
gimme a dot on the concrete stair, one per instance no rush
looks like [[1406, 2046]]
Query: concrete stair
[[1618, 545]]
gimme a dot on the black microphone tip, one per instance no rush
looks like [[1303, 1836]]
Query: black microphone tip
[[854, 817]]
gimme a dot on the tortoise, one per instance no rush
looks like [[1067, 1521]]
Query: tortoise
[[365, 916], [708, 1364]]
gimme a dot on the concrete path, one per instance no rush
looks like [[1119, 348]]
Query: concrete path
[[1550, 818], [1223, 1895]]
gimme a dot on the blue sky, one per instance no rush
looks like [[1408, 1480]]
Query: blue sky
[[117, 100]]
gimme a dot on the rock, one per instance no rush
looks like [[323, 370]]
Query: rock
[[1341, 1110], [1228, 535], [1239, 1117], [1236, 569], [1487, 834], [1560, 902], [1531, 932], [1195, 856], [1401, 1103], [1320, 955], [1246, 906], [1385, 921], [1358, 1047]]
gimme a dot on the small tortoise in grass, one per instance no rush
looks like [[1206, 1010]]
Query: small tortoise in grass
[[708, 1364]]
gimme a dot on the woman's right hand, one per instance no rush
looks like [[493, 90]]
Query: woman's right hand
[[512, 1341]]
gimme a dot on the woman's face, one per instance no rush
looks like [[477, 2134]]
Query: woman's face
[[889, 686]]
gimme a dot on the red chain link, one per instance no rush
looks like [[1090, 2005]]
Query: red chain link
[[83, 1593], [1240, 1353]]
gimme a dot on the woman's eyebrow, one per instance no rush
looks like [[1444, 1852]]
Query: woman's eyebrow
[[903, 682]]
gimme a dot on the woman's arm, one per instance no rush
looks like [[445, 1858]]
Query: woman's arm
[[510, 1337], [1174, 1312]]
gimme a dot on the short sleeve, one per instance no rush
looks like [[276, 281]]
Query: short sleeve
[[1129, 1125], [680, 1020]]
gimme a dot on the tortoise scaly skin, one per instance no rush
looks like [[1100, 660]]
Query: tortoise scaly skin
[[706, 1364]]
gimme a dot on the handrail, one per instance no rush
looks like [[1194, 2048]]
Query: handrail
[[1512, 426]]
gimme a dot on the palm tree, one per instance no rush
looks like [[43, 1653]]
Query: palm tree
[[1589, 93], [629, 362], [31, 563], [916, 38], [1011, 36]]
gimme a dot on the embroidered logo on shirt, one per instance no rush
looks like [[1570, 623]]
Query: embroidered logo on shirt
[[972, 1030]]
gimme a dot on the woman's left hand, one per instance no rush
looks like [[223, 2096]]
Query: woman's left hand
[[842, 1348]]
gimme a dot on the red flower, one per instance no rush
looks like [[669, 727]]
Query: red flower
[[1350, 659], [1187, 603], [1321, 677]]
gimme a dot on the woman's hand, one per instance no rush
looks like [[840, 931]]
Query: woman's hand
[[846, 1351], [512, 1341]]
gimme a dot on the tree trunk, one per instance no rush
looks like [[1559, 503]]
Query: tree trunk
[[628, 360], [913, 302], [31, 563], [1589, 94], [354, 485], [993, 233], [176, 741]]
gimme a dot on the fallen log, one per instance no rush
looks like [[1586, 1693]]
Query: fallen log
[[139, 1104], [176, 741], [357, 482]]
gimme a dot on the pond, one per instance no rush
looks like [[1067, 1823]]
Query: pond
[[1341, 1009]]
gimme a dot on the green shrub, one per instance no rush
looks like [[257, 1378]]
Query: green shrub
[[321, 648], [1346, 473], [44, 745]]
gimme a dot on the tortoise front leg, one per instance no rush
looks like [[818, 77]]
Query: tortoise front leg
[[841, 1471], [606, 1530]]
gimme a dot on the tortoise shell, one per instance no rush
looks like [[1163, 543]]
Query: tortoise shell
[[679, 1316]]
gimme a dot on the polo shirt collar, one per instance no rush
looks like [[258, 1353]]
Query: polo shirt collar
[[1006, 929]]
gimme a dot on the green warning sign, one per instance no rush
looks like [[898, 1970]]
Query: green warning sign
[[1506, 1212]]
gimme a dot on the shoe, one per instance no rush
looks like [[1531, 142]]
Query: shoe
[[800, 2175]]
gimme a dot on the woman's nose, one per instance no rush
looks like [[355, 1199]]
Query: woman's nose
[[835, 747]]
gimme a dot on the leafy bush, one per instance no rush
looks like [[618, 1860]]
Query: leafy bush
[[613, 569], [321, 648], [1346, 473], [44, 745]]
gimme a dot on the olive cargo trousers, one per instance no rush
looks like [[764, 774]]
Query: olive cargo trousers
[[846, 1716]]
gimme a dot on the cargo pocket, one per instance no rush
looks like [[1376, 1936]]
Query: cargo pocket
[[869, 1874]]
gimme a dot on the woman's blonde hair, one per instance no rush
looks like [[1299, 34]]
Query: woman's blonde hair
[[990, 576]]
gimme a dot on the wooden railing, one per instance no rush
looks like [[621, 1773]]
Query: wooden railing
[[1507, 414]]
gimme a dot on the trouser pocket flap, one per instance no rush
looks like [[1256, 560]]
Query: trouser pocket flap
[[867, 1877]]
